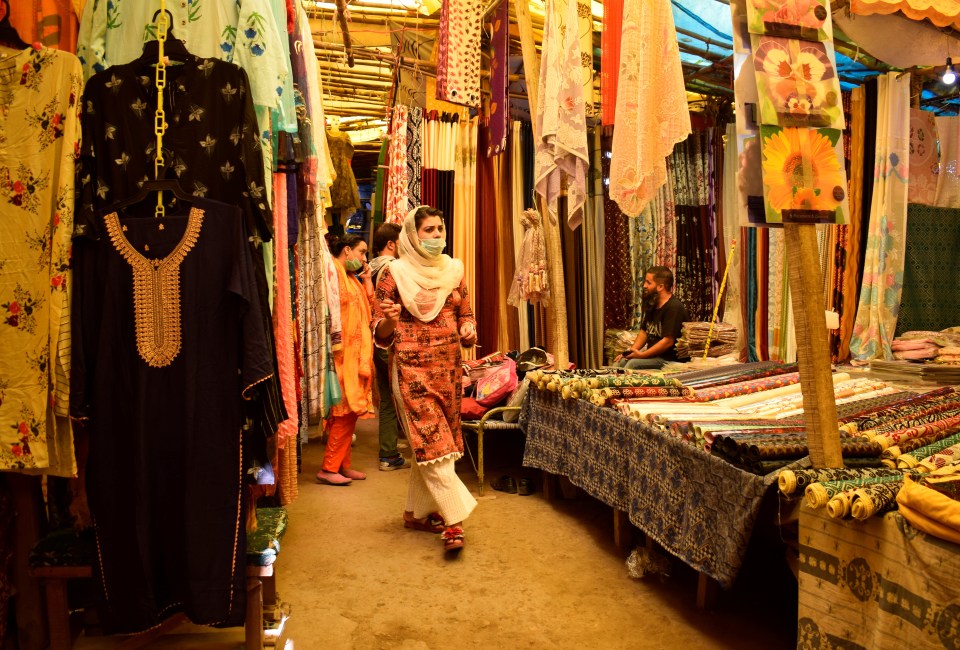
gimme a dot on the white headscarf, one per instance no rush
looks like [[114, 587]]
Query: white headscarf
[[424, 281]]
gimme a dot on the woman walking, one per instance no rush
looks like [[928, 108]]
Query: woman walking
[[353, 360], [422, 310]]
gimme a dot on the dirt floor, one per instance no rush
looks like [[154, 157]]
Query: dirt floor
[[534, 573]]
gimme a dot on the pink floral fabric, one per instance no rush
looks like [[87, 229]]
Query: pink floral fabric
[[458, 65], [395, 208]]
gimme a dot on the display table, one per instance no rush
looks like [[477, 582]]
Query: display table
[[698, 507], [876, 584]]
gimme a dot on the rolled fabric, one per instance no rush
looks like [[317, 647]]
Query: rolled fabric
[[926, 416], [942, 458], [745, 387], [874, 498], [798, 479], [913, 458], [891, 438], [817, 495], [878, 416], [723, 376], [839, 506], [875, 415], [619, 381], [753, 398]]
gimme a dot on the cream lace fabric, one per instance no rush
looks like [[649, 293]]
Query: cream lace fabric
[[562, 149], [531, 281], [652, 114]]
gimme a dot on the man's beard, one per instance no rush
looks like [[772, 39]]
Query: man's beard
[[649, 299]]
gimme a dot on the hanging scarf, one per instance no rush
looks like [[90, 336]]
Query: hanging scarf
[[610, 61], [414, 155], [499, 61], [458, 62], [424, 281], [397, 177], [652, 112], [531, 281], [562, 148]]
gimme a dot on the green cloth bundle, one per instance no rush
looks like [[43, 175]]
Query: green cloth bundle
[[913, 459], [817, 495], [622, 381], [792, 480]]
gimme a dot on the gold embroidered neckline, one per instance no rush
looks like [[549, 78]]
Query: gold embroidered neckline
[[156, 291]]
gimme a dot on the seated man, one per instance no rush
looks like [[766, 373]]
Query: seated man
[[663, 318]]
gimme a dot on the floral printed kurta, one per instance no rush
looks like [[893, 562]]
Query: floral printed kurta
[[426, 363], [39, 137]]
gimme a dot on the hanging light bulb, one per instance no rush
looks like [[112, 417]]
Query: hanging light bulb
[[949, 76]]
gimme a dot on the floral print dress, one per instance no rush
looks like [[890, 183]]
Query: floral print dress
[[39, 136], [425, 370]]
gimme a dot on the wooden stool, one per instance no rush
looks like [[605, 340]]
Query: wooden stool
[[65, 555]]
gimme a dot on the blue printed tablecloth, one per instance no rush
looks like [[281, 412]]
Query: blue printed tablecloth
[[698, 507]]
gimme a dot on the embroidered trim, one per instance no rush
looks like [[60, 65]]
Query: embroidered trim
[[156, 291], [245, 393]]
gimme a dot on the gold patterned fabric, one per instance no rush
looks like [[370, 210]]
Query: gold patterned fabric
[[39, 136], [156, 291]]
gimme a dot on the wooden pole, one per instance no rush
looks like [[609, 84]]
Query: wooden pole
[[813, 348], [551, 229]]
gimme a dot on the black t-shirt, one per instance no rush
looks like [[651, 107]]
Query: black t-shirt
[[667, 321]]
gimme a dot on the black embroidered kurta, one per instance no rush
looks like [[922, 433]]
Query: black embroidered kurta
[[168, 340], [211, 146]]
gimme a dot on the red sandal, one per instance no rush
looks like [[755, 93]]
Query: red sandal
[[432, 523], [452, 538]]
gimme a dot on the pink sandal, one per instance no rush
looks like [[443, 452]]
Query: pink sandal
[[452, 538]]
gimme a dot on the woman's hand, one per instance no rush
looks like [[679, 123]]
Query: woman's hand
[[468, 334], [366, 274], [391, 310]]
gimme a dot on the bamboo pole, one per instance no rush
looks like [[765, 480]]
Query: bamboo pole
[[551, 228]]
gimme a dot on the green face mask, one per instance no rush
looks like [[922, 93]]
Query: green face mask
[[433, 246], [353, 265]]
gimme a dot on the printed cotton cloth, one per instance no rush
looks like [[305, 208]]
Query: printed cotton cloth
[[458, 66]]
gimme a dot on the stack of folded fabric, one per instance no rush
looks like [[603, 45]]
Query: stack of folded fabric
[[927, 346], [932, 503], [693, 339]]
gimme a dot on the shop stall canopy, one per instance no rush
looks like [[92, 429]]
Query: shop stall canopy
[[391, 42]]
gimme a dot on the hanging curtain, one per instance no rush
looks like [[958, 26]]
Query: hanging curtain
[[610, 61], [593, 257], [851, 249], [516, 196], [733, 292], [617, 279], [465, 210], [883, 267], [488, 250], [508, 336]]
